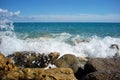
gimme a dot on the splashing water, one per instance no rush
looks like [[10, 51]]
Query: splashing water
[[6, 24], [6, 27]]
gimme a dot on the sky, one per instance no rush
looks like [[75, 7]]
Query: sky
[[64, 10]]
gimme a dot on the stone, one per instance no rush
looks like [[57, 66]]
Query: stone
[[103, 75], [13, 75], [40, 74], [116, 47], [49, 74], [68, 61], [30, 59], [53, 56], [6, 66], [102, 64], [102, 69]]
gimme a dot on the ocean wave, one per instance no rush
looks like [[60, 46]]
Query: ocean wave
[[94, 47]]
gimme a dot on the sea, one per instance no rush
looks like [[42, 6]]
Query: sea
[[82, 39]]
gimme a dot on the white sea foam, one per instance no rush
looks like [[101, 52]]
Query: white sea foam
[[96, 47]]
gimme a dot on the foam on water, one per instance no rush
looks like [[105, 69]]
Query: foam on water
[[96, 47], [64, 42]]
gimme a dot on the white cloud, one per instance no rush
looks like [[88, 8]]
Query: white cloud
[[5, 14], [2, 10], [74, 18], [17, 13]]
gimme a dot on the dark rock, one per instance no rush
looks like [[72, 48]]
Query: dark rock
[[104, 75], [103, 69], [116, 47], [80, 74], [101, 64], [30, 59]]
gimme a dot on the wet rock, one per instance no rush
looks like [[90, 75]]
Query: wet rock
[[30, 59], [68, 61], [116, 47], [73, 62], [102, 64], [104, 75]]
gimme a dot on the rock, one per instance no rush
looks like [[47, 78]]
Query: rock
[[40, 74], [13, 75], [104, 75], [6, 66], [53, 56], [5, 63], [73, 62], [68, 61], [116, 47], [103, 69], [49, 74], [102, 64], [30, 59]]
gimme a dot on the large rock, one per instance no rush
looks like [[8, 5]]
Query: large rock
[[30, 59], [103, 69], [68, 61], [50, 74], [102, 64], [104, 75], [73, 62], [40, 74]]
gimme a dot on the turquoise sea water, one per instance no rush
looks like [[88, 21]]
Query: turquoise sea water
[[33, 30]]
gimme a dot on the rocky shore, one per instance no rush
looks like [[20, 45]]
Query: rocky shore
[[35, 66]]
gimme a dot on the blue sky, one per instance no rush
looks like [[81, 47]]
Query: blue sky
[[64, 10]]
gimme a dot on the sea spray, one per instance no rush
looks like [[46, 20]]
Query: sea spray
[[6, 23], [6, 29]]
